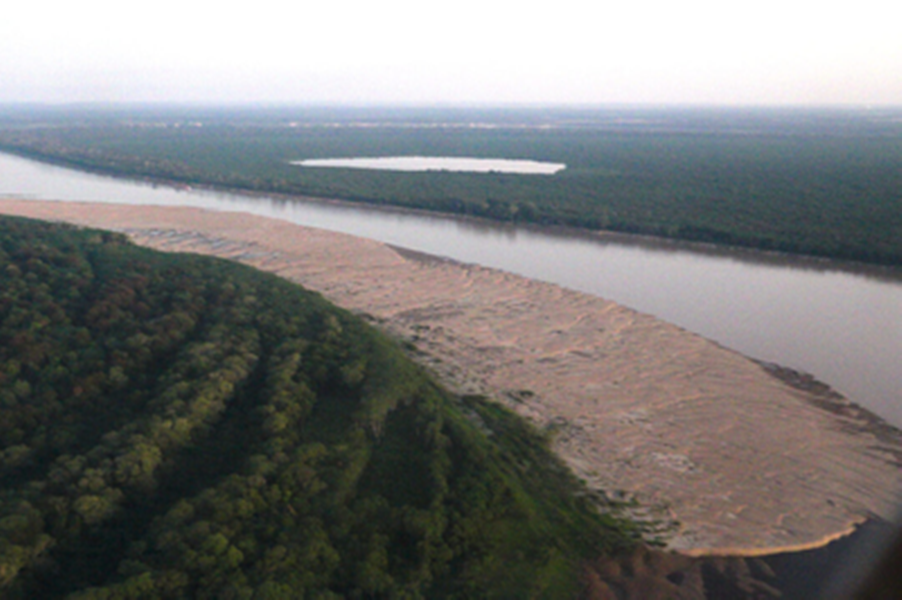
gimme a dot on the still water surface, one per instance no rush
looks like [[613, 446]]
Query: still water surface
[[840, 322], [437, 163]]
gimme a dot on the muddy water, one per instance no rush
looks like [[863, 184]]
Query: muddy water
[[840, 322]]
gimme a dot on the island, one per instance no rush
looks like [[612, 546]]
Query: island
[[728, 456]]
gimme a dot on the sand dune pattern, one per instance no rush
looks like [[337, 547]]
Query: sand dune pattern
[[745, 462]]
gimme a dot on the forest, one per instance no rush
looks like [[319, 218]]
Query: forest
[[177, 426], [819, 182]]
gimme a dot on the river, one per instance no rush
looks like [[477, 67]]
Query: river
[[840, 322]]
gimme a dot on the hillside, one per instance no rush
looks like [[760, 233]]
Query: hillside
[[184, 427]]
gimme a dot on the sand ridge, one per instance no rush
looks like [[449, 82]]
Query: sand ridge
[[639, 408]]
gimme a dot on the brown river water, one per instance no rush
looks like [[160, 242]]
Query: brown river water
[[840, 322]]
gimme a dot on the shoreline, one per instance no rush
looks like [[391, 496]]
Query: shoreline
[[751, 254], [638, 408], [764, 552]]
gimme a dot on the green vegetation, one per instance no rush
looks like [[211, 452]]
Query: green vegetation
[[175, 426], [826, 183]]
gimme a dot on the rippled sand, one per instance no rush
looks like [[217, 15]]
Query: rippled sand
[[641, 409]]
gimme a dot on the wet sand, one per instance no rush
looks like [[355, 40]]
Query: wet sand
[[742, 457]]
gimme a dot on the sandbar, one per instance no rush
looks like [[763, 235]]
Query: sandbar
[[735, 456]]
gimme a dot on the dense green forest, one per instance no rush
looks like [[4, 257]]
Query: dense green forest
[[819, 182], [176, 426]]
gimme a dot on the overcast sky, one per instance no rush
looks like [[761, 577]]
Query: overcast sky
[[473, 51]]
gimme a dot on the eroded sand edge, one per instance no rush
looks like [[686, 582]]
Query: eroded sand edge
[[640, 408]]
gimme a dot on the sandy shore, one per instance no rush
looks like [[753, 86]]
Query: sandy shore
[[744, 461]]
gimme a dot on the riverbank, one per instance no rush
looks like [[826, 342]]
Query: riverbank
[[742, 462], [749, 253], [839, 321]]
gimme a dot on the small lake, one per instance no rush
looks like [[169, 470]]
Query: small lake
[[437, 163], [840, 322]]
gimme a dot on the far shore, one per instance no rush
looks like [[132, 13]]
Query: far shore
[[735, 460], [744, 253]]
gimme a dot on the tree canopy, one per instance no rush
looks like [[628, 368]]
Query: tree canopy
[[176, 426]]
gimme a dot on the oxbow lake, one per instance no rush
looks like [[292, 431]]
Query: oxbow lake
[[840, 322], [437, 163]]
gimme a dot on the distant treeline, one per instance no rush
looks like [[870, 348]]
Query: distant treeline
[[820, 183], [175, 426]]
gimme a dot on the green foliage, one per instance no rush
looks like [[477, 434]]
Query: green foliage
[[818, 182], [184, 427]]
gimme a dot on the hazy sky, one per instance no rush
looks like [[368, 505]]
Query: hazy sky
[[484, 51]]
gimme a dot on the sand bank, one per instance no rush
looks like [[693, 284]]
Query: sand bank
[[745, 462]]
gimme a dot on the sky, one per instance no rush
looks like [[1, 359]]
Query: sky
[[770, 52]]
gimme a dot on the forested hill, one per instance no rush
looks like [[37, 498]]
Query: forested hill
[[818, 182], [175, 426]]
